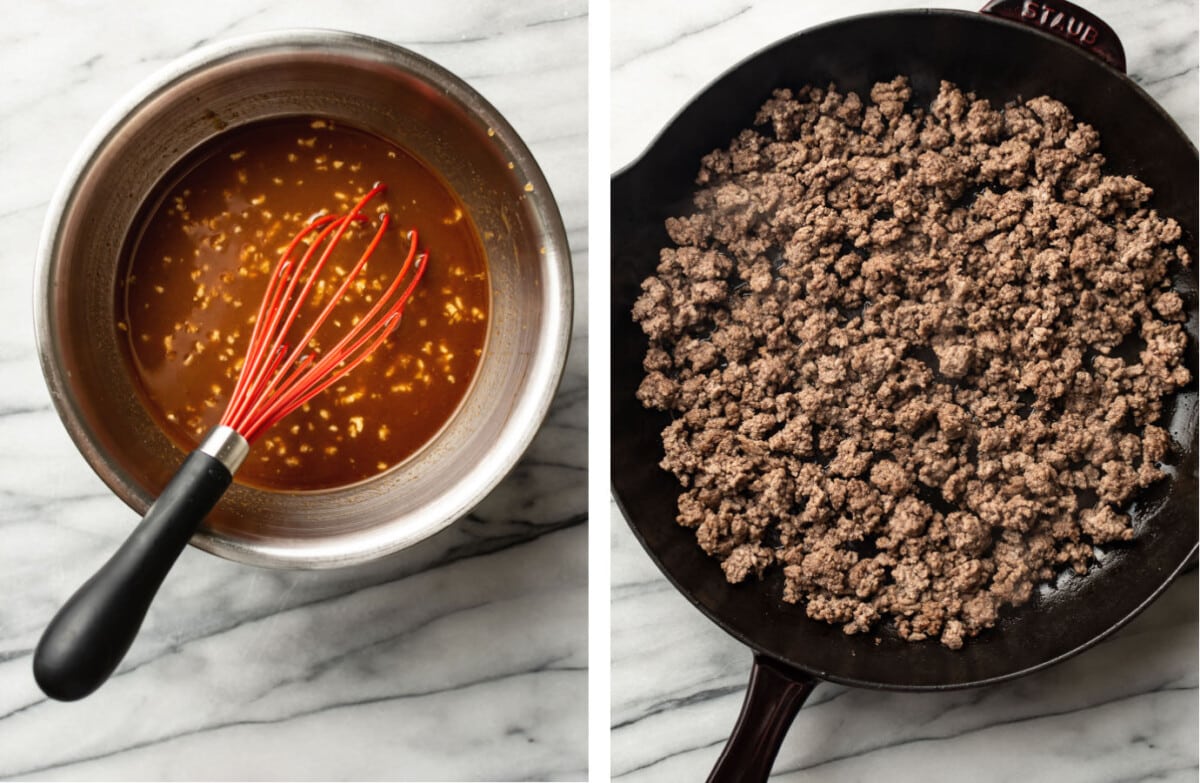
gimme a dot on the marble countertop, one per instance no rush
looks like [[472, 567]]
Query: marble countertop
[[462, 658], [1124, 711]]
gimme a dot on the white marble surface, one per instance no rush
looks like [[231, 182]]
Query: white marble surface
[[1124, 711], [464, 658]]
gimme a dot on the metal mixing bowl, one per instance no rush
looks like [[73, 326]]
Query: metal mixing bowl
[[377, 87]]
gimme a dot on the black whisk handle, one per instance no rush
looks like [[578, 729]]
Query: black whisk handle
[[92, 632]]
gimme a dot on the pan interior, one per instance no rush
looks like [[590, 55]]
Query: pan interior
[[999, 61]]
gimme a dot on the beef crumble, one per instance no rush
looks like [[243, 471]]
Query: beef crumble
[[896, 342]]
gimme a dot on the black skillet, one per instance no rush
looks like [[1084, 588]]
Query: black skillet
[[997, 59]]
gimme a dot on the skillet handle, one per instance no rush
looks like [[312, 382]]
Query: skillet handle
[[1067, 21], [773, 697]]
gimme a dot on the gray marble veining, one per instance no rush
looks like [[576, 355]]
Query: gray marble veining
[[1124, 711], [463, 658]]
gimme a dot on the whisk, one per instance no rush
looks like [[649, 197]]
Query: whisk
[[92, 632]]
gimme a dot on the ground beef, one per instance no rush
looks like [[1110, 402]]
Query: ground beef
[[914, 356]]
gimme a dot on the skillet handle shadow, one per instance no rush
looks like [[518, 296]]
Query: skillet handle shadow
[[774, 696]]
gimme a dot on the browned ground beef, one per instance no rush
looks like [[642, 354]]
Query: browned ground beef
[[891, 339]]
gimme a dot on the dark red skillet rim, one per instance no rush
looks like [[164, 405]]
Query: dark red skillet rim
[[1064, 50]]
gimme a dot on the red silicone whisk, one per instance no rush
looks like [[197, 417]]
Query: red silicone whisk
[[91, 633]]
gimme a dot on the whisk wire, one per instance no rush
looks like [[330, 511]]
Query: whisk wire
[[299, 394], [254, 372], [284, 286], [337, 297], [276, 378], [347, 352]]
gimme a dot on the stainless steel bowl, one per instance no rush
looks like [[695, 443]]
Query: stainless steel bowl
[[375, 86]]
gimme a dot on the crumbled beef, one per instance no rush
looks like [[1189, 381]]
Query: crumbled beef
[[893, 341]]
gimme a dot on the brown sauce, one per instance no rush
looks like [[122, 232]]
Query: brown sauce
[[193, 279]]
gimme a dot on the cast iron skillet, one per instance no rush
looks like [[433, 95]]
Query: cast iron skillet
[[996, 59]]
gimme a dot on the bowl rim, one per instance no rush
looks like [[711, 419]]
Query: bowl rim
[[545, 372]]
